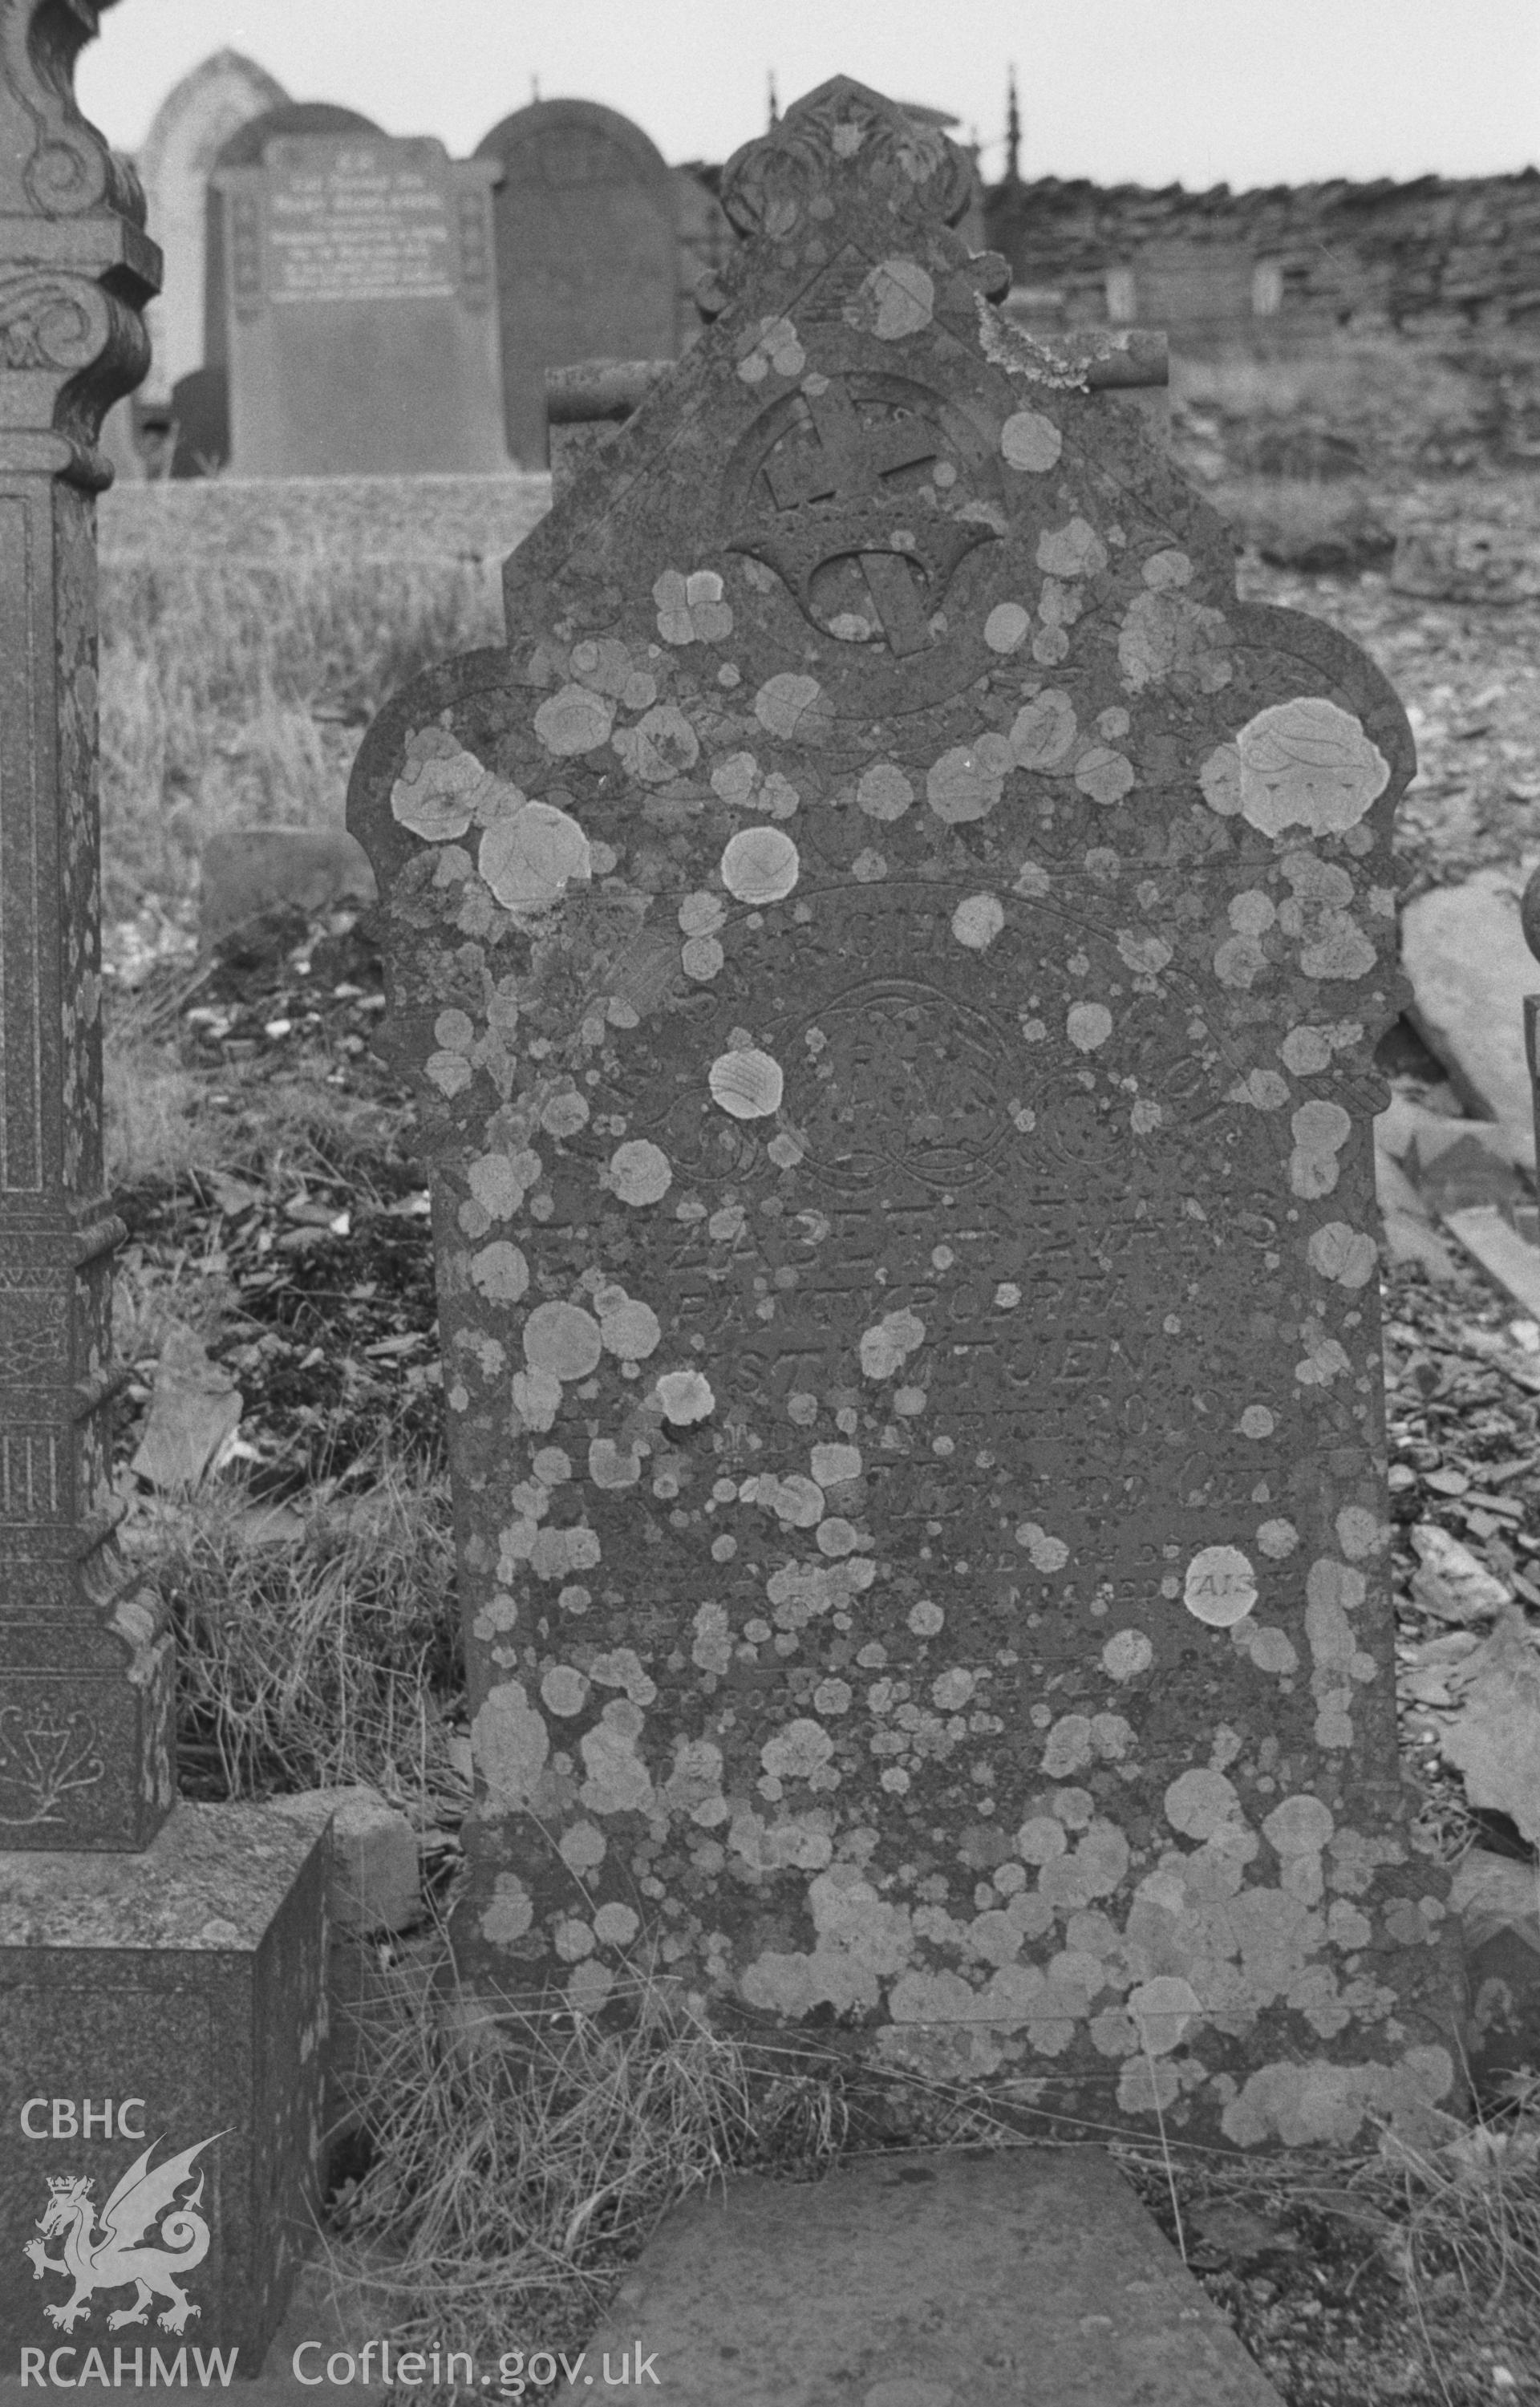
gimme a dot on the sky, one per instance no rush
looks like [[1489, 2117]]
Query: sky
[[1150, 92]]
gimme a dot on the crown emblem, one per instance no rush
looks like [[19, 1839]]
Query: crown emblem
[[68, 2181]]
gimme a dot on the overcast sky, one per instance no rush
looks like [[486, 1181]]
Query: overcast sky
[[1154, 91]]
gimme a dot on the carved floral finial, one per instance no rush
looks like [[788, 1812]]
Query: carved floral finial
[[76, 266], [839, 133]]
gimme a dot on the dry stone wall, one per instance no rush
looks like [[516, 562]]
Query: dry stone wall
[[1430, 259]]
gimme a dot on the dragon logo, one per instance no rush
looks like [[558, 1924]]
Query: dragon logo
[[113, 2258]]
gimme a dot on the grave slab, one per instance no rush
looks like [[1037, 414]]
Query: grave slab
[[1502, 1252], [1463, 949], [890, 956], [1029, 2278], [1409, 1233]]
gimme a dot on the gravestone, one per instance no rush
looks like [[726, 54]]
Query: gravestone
[[705, 241], [891, 956], [1196, 289], [160, 1964], [588, 256], [360, 316], [200, 424], [245, 149], [191, 127]]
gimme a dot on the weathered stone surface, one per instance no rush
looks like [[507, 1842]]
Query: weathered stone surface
[[174, 1968], [926, 2280], [588, 258], [374, 1883], [186, 1985], [247, 872], [1463, 949], [288, 119], [194, 1407], [704, 242], [1509, 1259], [891, 956], [1193, 288], [1409, 1233], [360, 318], [85, 1663]]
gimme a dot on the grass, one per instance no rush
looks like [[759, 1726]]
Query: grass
[[503, 2191], [1405, 409], [317, 1665], [515, 2178], [234, 693]]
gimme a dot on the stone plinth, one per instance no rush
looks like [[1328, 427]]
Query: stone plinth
[[924, 2280], [183, 1988]]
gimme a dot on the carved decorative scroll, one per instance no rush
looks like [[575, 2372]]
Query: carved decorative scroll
[[85, 1666]]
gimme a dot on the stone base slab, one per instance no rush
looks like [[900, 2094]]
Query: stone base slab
[[162, 2005], [938, 2279]]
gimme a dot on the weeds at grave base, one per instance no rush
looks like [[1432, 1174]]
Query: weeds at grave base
[[318, 1663], [520, 2167]]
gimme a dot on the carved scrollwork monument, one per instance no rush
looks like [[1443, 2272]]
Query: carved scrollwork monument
[[80, 1656]]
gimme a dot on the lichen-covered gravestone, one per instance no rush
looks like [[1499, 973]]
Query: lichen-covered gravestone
[[891, 956]]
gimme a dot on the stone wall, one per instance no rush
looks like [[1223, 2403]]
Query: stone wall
[[1430, 260]]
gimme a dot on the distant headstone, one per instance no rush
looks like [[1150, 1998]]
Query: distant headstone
[[706, 242], [245, 149], [200, 422], [890, 957], [162, 1964], [189, 129], [1193, 288], [588, 264], [363, 327], [245, 873]]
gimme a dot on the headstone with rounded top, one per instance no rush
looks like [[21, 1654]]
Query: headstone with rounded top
[[588, 251], [890, 956], [290, 120], [186, 133]]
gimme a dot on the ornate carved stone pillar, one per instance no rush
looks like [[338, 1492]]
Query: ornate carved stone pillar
[[85, 1671], [162, 1972]]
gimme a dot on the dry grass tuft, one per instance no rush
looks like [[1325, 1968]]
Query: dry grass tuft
[[514, 2178], [520, 2167], [318, 1663]]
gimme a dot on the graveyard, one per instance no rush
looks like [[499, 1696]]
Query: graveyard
[[599, 1235]]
